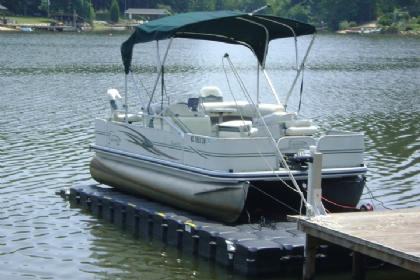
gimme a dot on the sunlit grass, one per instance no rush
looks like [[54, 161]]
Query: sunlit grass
[[31, 20]]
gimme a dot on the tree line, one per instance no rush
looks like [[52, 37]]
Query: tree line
[[330, 12]]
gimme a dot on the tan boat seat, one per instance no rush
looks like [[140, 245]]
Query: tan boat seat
[[236, 129], [195, 121], [300, 127]]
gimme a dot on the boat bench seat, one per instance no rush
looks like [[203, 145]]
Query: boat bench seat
[[181, 110], [120, 117], [196, 121], [274, 119], [299, 128], [236, 129], [239, 108]]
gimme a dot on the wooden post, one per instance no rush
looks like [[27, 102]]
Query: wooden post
[[359, 263], [310, 253]]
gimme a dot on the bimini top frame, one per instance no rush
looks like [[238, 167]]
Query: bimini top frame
[[260, 30]]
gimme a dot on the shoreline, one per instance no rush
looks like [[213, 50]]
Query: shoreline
[[2, 28], [8, 29]]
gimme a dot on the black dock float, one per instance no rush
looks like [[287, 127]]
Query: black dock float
[[190, 235], [160, 224], [146, 216], [176, 226], [207, 237], [226, 245], [250, 249], [257, 257]]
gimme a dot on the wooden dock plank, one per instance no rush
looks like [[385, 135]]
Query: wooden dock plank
[[392, 236]]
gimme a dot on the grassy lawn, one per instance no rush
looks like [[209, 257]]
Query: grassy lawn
[[31, 20], [38, 20]]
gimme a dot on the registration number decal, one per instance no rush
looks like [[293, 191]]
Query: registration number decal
[[198, 139]]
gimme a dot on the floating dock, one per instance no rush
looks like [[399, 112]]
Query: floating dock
[[257, 249], [392, 236]]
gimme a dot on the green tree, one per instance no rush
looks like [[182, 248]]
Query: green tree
[[43, 6], [166, 7], [114, 11], [203, 5], [227, 5], [88, 11]]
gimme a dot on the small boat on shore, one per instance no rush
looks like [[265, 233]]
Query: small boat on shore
[[26, 29], [214, 153], [365, 31]]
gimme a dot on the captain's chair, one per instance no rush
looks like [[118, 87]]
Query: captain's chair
[[211, 94], [193, 103], [118, 107], [115, 101]]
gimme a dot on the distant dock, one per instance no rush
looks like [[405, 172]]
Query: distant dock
[[43, 27], [392, 236], [66, 28]]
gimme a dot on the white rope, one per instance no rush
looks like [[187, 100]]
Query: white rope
[[284, 163]]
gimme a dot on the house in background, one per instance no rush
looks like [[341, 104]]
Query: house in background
[[149, 14]]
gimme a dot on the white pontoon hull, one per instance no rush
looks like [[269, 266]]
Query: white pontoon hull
[[219, 200], [198, 173]]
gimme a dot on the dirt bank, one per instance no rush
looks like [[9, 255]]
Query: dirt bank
[[8, 29]]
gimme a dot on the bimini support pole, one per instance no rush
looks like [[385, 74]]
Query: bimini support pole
[[300, 68], [159, 72], [126, 99], [258, 83], [273, 90], [314, 184], [137, 90]]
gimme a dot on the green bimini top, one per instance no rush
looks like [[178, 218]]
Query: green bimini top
[[252, 31]]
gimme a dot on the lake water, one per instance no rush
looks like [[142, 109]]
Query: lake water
[[52, 85]]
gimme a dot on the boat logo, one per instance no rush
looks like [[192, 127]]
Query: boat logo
[[139, 139], [113, 138], [176, 143], [297, 144]]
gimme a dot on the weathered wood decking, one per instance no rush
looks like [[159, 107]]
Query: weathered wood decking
[[392, 236]]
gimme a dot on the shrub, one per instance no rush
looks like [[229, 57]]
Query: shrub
[[415, 26], [391, 30], [343, 25], [403, 17], [352, 24], [386, 19], [103, 16]]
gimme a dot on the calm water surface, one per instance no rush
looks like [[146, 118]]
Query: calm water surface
[[53, 85]]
